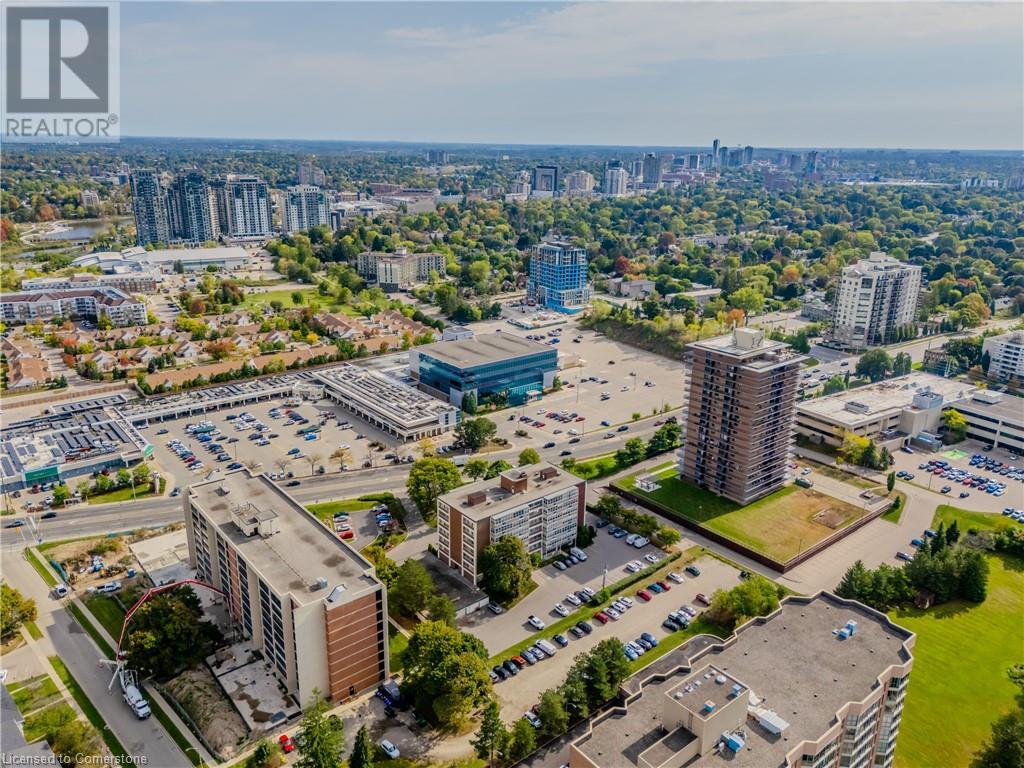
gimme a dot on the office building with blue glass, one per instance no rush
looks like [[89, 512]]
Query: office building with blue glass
[[558, 277], [499, 367]]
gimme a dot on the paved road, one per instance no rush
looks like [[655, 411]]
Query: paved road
[[62, 636]]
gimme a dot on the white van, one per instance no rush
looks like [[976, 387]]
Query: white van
[[133, 698], [578, 553], [547, 647]]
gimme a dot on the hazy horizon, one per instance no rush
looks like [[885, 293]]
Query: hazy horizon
[[914, 76]]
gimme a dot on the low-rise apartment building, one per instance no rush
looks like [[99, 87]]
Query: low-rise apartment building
[[1006, 356], [817, 684], [399, 270], [99, 303], [739, 417], [541, 505], [141, 281], [310, 603]]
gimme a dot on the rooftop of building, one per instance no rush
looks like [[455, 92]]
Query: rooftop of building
[[855, 406], [1010, 337], [482, 349], [750, 347], [300, 550], [487, 498], [83, 430], [161, 255], [793, 663], [399, 255], [104, 294], [373, 391], [877, 261], [1005, 407]]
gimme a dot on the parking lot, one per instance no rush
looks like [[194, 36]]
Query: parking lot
[[279, 442], [958, 458], [521, 692]]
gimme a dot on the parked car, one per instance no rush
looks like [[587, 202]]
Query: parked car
[[535, 622], [693, 570], [495, 608], [702, 598], [286, 742], [389, 749]]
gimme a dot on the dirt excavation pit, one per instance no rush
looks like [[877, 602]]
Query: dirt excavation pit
[[199, 694]]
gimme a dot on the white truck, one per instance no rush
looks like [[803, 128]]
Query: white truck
[[133, 696]]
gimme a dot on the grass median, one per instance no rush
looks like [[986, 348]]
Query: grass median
[[43, 569]]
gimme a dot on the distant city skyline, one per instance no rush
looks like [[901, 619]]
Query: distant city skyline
[[898, 75]]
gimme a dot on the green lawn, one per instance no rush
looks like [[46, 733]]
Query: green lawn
[[107, 612], [397, 643], [596, 468], [328, 509], [253, 299], [121, 494], [951, 684], [91, 713], [780, 525], [982, 521], [48, 720], [34, 631], [41, 567], [34, 693]]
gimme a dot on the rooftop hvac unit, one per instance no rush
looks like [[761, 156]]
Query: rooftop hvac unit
[[336, 594], [321, 583], [709, 707], [851, 627]]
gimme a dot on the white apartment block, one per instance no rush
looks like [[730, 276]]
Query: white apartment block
[[876, 298], [399, 270], [102, 302], [246, 205], [616, 181], [541, 505], [1006, 355], [144, 281], [305, 207]]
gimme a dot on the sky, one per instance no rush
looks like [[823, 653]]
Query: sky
[[793, 74]]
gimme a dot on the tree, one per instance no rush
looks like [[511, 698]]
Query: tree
[[574, 693], [323, 737], [469, 404], [491, 735], [362, 750], [495, 468], [475, 433], [1005, 747], [854, 582], [890, 481], [342, 456], [167, 634], [60, 495], [428, 479], [522, 740], [505, 568], [902, 364], [475, 469], [748, 299], [956, 426], [876, 364], [444, 672], [412, 589], [833, 385], [75, 741], [15, 610], [755, 596], [441, 608], [632, 452], [529, 456], [664, 439], [667, 535], [266, 755], [610, 650], [314, 459], [553, 717]]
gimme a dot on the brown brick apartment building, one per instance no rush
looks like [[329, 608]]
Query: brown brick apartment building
[[740, 410], [309, 602]]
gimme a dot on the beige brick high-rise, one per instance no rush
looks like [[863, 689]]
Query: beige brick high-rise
[[739, 420]]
